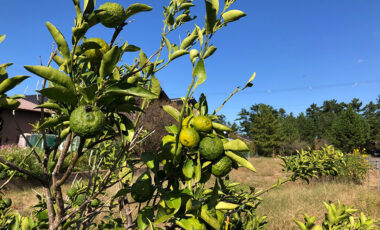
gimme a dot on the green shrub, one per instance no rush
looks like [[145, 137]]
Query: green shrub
[[354, 168]]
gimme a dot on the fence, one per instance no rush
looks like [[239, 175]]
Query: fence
[[50, 141], [375, 162]]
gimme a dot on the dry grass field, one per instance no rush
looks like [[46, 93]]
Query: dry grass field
[[281, 205]]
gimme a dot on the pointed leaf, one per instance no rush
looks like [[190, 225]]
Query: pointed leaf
[[178, 54], [136, 8], [109, 61], [210, 51], [212, 8], [221, 127], [242, 161], [188, 169], [134, 90], [2, 37], [172, 111], [156, 87], [232, 15], [63, 48], [60, 94], [10, 83], [200, 72], [226, 206], [236, 145], [145, 216], [88, 7], [51, 74]]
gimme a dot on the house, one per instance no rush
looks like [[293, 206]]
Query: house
[[25, 115], [153, 120]]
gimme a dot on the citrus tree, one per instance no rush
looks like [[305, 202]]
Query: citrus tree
[[185, 183]]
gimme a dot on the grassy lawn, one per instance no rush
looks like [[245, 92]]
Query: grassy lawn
[[281, 205]]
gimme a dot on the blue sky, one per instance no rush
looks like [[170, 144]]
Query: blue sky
[[302, 51]]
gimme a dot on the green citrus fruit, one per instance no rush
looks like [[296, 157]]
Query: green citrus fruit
[[95, 202], [96, 54], [221, 167], [111, 14], [81, 198], [211, 148], [142, 190], [187, 122], [202, 124], [7, 202], [189, 137], [87, 121]]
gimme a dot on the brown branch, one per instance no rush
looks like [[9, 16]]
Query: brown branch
[[24, 171], [118, 29], [72, 164]]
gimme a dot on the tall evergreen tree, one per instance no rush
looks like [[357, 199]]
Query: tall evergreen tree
[[262, 125], [349, 130]]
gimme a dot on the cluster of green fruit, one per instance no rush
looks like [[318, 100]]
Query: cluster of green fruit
[[197, 132]]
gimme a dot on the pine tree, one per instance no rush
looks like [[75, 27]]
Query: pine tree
[[349, 130]]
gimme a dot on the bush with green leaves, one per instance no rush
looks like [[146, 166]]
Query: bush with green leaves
[[178, 186], [355, 168], [339, 216]]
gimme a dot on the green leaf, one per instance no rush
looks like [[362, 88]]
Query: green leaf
[[50, 105], [172, 129], [52, 122], [7, 103], [251, 78], [186, 5], [133, 90], [198, 169], [10, 83], [188, 169], [156, 87], [2, 37], [109, 61], [189, 39], [203, 107], [172, 111], [167, 43], [221, 127], [89, 92], [149, 159], [212, 8], [210, 51], [145, 216], [213, 222], [60, 94], [242, 161], [163, 212], [232, 15], [236, 145], [172, 200], [51, 74], [58, 60], [88, 7], [226, 206], [200, 72], [131, 48], [136, 8], [63, 48], [177, 54], [200, 34]]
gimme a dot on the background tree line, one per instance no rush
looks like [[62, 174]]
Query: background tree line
[[345, 125]]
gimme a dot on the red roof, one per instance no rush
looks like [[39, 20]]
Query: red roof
[[29, 106]]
